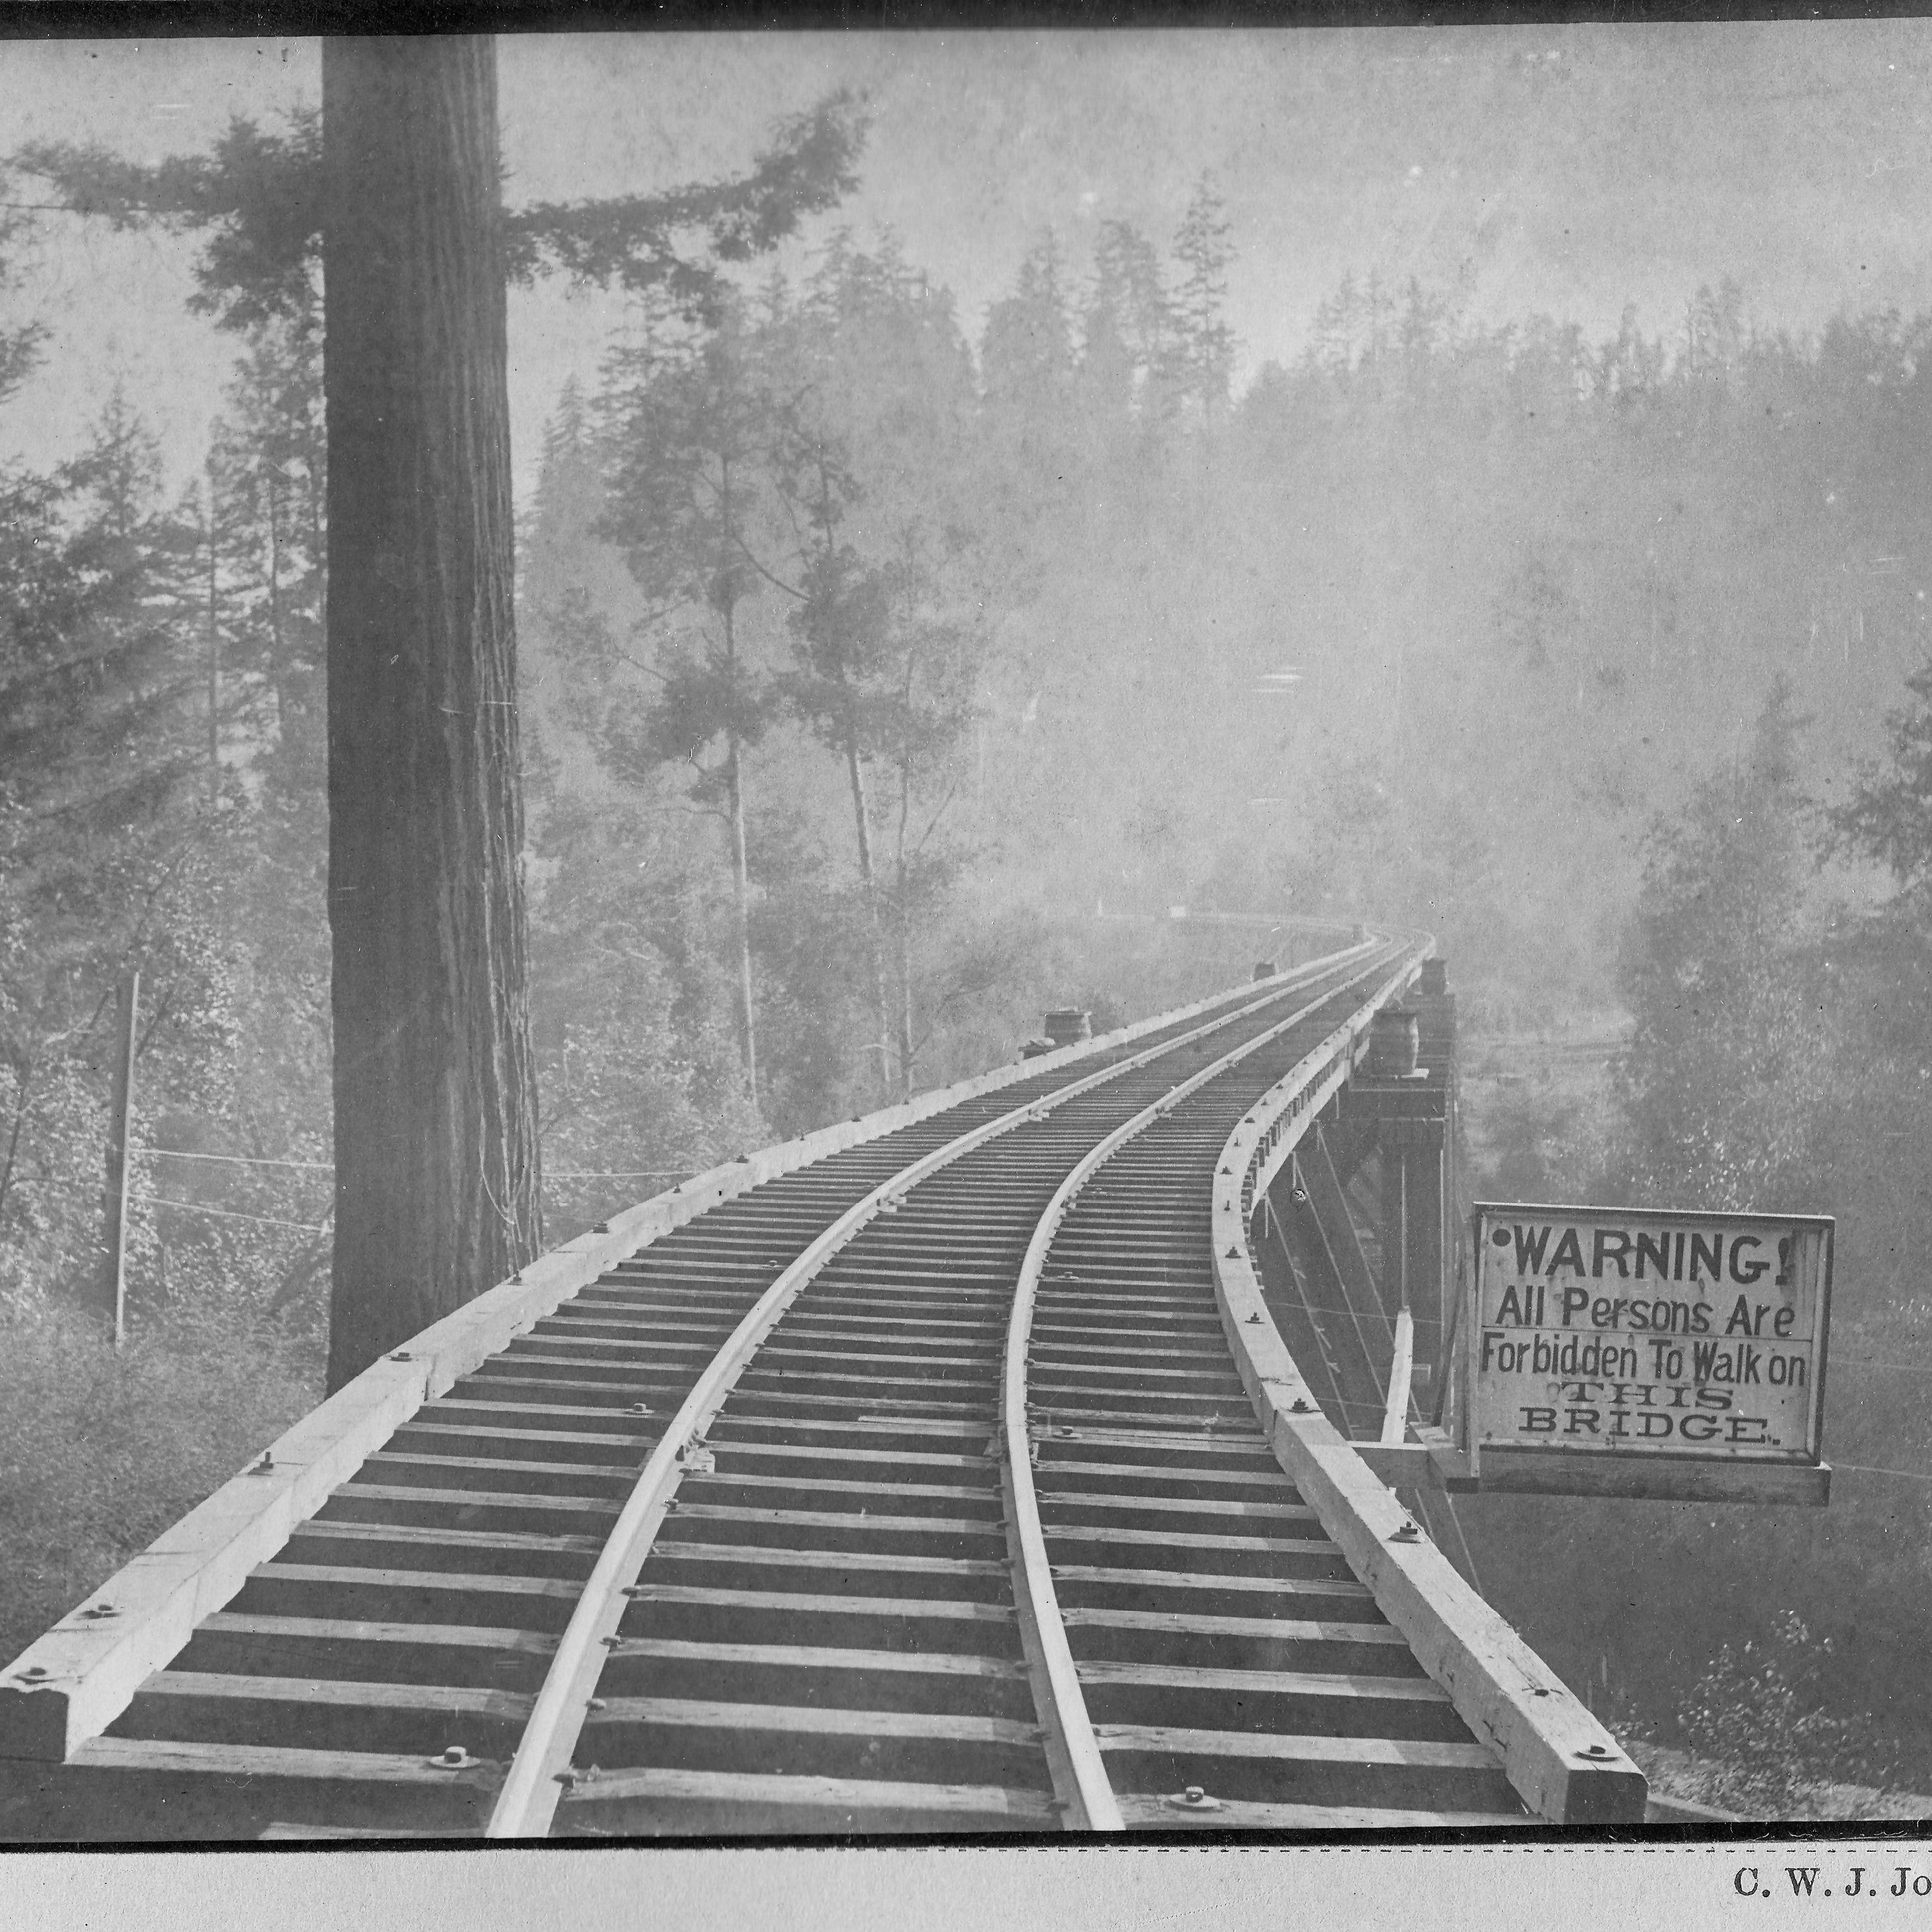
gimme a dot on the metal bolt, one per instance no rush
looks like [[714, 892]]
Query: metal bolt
[[402, 1355], [1598, 1751], [640, 1408], [1408, 1533], [262, 1468], [1255, 1319], [453, 1757], [34, 1673], [601, 1228], [1299, 1407], [99, 1610], [1194, 1798]]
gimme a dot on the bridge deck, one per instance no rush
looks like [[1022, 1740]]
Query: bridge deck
[[919, 1489]]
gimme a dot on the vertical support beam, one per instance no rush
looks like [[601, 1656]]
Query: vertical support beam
[[1400, 1103], [1421, 1168], [114, 1273]]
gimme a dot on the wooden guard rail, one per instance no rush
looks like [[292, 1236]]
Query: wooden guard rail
[[1565, 1766]]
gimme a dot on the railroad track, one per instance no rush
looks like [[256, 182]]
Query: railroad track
[[916, 1489]]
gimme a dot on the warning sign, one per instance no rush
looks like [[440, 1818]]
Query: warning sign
[[1620, 1332]]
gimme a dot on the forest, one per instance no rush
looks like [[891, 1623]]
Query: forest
[[887, 676]]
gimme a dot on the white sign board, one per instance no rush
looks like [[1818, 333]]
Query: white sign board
[[1620, 1332]]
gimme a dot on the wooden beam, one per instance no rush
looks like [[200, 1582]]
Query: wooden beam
[[1686, 1479], [1434, 1461], [1395, 1415]]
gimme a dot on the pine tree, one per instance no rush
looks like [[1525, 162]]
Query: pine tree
[[1205, 345], [690, 435]]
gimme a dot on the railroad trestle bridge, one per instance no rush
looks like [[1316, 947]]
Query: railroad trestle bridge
[[1062, 1451]]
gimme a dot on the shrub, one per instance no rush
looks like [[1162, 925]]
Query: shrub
[[101, 1449]]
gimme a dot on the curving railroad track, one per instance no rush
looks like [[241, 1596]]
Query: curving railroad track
[[919, 1489]]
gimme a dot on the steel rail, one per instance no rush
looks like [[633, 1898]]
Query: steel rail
[[527, 1801], [1073, 1749]]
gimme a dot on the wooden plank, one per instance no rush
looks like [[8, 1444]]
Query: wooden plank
[[1189, 1539], [153, 1755], [1419, 1754], [893, 1524], [1255, 1479], [462, 1498], [818, 1657], [737, 1479], [758, 1554], [1209, 1506], [808, 1603], [1279, 1630], [434, 1537], [816, 1452], [800, 1719], [1275, 1683], [451, 1700], [453, 1583], [1153, 1813], [402, 1459], [850, 1798], [1553, 1472], [1209, 1579], [356, 1630]]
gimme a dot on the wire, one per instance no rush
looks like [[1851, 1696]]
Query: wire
[[1866, 1469], [234, 1159], [228, 1214], [616, 1173]]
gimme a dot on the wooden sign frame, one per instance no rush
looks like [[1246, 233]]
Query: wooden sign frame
[[1798, 1477]]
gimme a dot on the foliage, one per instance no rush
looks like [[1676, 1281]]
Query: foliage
[[1725, 1071], [259, 196], [101, 1449], [1888, 817], [1756, 1718]]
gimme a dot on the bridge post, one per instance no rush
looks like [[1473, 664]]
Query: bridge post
[[1400, 1106]]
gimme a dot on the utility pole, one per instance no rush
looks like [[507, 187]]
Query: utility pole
[[214, 652], [115, 1272]]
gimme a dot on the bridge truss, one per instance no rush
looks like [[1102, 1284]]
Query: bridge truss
[[993, 1464]]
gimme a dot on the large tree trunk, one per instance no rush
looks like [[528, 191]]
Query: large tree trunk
[[436, 1142]]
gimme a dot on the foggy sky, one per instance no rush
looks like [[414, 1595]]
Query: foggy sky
[[1569, 169]]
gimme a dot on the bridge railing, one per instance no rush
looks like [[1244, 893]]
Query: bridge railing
[[1563, 1763]]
